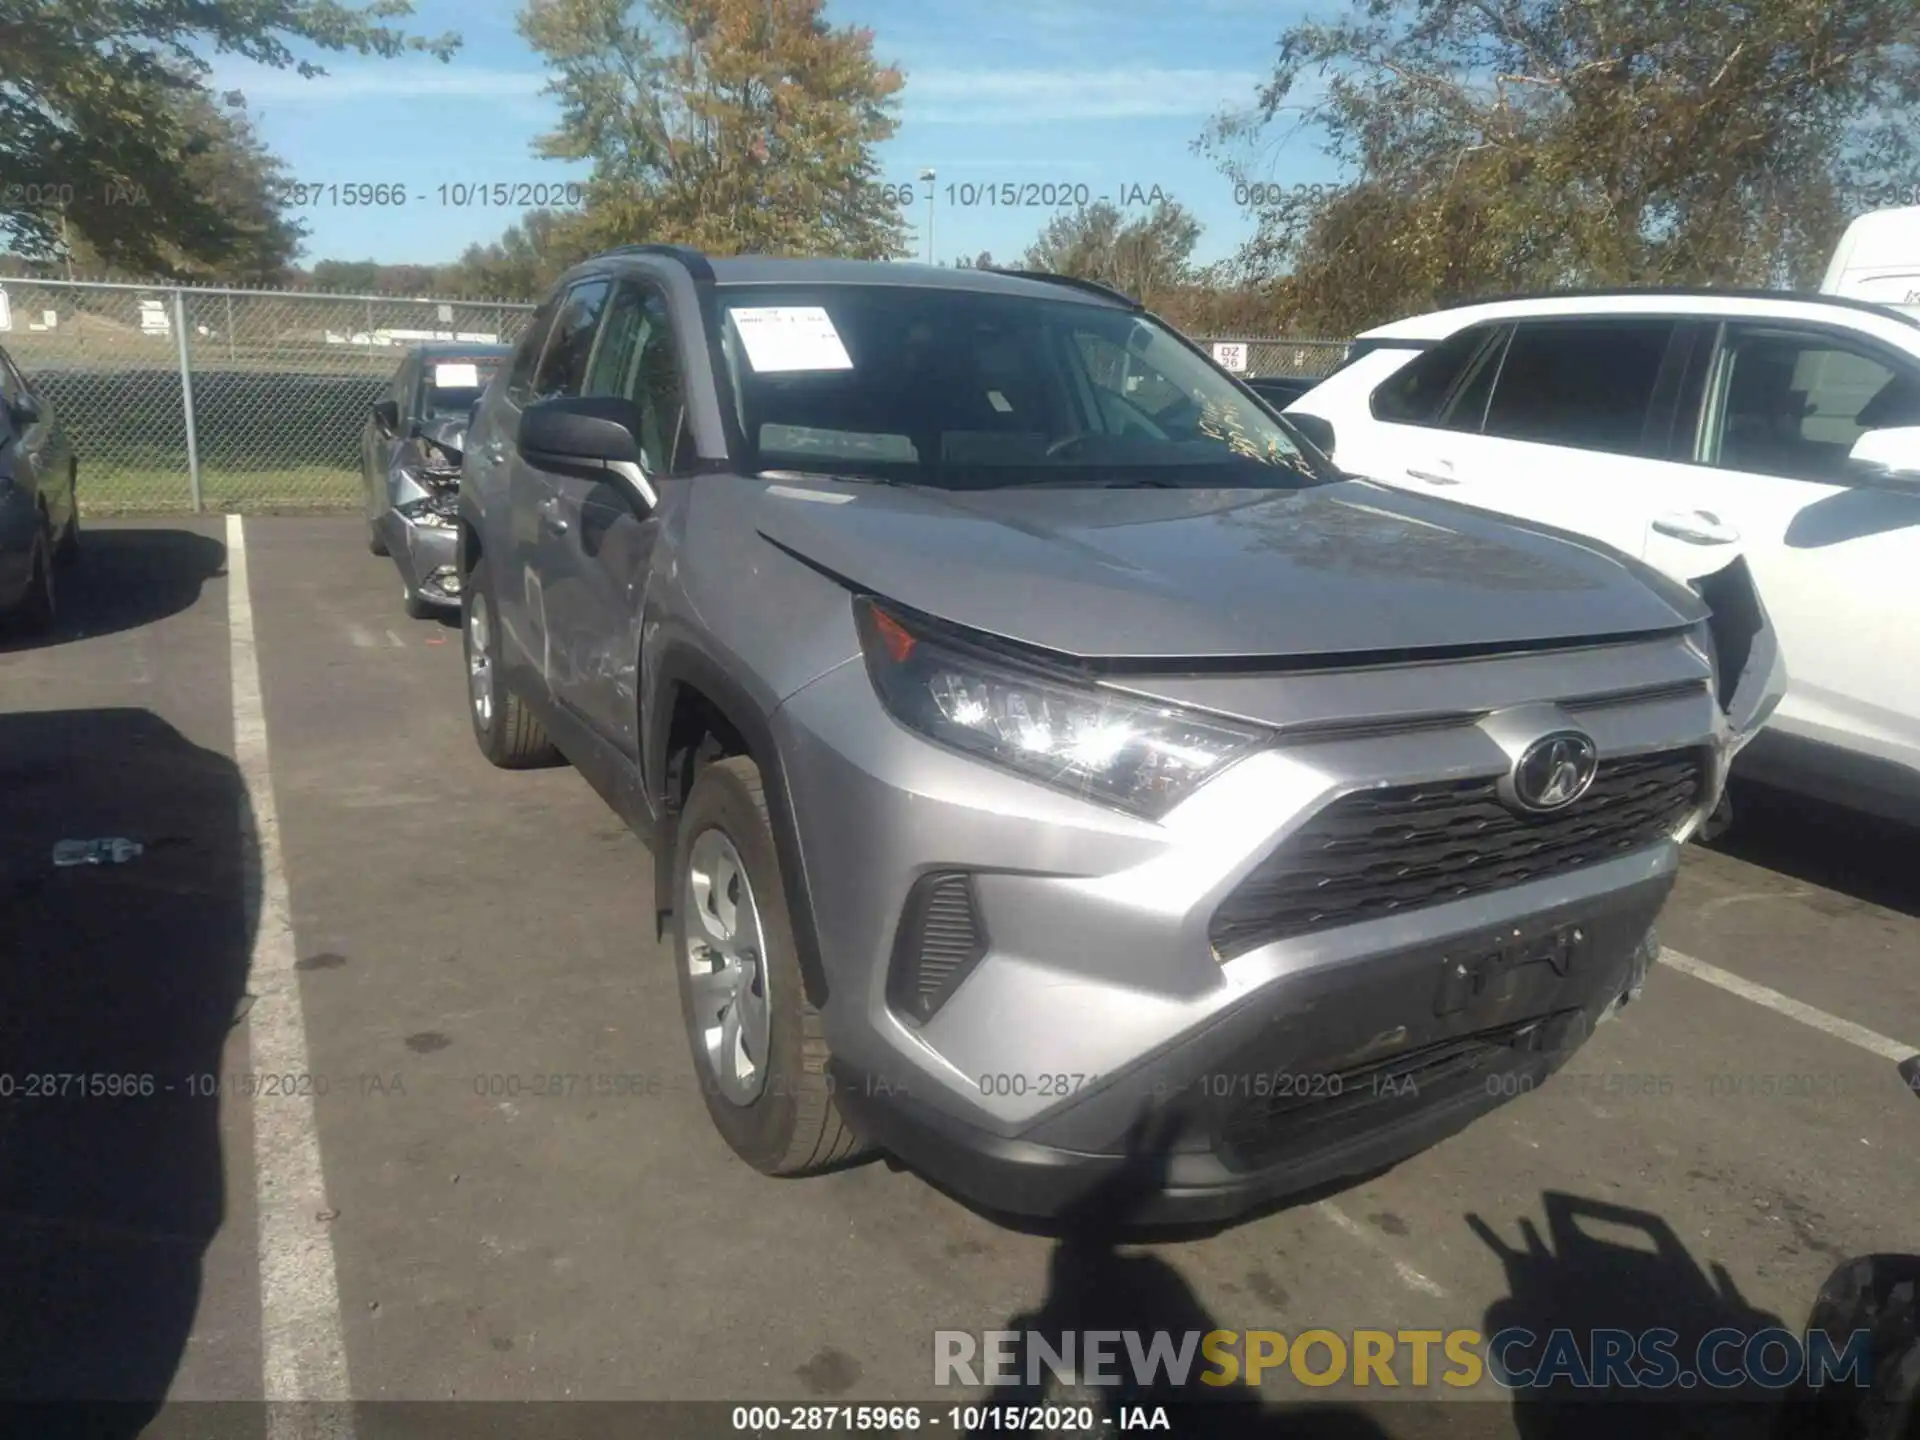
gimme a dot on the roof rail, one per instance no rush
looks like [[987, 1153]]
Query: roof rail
[[1091, 286], [1698, 292], [687, 255]]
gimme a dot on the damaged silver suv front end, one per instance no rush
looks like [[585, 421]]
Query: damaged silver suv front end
[[420, 526]]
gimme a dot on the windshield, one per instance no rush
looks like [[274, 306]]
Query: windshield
[[964, 389], [452, 385]]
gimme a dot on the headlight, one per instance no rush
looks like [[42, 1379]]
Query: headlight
[[1137, 754]]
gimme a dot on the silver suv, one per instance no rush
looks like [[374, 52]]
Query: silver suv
[[1032, 732]]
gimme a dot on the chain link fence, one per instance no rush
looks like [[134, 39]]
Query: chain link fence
[[187, 398], [182, 398], [1254, 356]]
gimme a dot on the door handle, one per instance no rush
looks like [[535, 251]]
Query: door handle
[[551, 517], [1433, 477], [1696, 527]]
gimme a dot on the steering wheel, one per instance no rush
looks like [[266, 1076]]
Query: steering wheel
[[1066, 443]]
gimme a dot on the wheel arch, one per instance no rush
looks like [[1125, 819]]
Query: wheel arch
[[703, 714]]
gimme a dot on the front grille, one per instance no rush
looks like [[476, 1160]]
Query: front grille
[[940, 940], [1384, 852]]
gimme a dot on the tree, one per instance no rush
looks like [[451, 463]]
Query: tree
[[1498, 145], [349, 277], [1145, 257], [524, 262], [246, 183], [232, 172], [104, 101], [731, 125]]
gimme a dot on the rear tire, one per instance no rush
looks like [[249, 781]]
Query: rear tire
[[787, 1123], [1880, 1295], [503, 727], [376, 543]]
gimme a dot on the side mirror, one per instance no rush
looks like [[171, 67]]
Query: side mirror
[[25, 412], [386, 417], [1887, 459], [591, 438], [1318, 432]]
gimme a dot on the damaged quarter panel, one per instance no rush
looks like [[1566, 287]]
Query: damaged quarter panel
[[767, 623]]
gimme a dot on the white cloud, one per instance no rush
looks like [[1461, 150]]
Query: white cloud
[[986, 97], [264, 85]]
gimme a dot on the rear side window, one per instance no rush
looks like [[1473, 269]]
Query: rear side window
[[1418, 392], [563, 365], [637, 359], [527, 355], [1587, 384]]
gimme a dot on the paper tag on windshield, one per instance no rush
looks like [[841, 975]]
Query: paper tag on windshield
[[456, 377], [790, 337]]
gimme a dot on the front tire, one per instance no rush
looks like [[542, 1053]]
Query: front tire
[[503, 727], [758, 1044], [67, 554]]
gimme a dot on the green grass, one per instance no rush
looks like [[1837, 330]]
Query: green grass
[[111, 490]]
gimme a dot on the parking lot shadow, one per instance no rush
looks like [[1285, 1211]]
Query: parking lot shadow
[[119, 985], [1837, 849], [1610, 1267], [127, 577], [1093, 1286]]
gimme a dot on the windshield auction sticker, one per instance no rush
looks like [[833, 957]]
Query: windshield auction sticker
[[456, 377], [781, 338]]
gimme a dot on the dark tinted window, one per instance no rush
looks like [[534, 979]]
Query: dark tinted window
[[1793, 404], [637, 359], [1415, 394], [563, 366], [527, 354], [1585, 383]]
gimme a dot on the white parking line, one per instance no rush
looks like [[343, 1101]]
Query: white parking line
[[303, 1350], [1409, 1277], [1871, 1041]]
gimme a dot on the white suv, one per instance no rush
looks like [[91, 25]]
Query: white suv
[[1690, 429]]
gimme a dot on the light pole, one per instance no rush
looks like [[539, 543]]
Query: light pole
[[927, 175]]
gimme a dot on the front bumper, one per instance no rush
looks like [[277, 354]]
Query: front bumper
[[1097, 994], [426, 555], [1265, 1104]]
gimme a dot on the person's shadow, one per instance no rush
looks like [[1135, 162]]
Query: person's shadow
[[1092, 1286], [1606, 1267], [119, 985]]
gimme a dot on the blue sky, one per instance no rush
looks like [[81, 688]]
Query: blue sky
[[1069, 92]]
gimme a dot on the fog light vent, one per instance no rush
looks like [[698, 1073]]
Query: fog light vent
[[939, 942]]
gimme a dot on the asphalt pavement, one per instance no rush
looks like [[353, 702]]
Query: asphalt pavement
[[430, 939]]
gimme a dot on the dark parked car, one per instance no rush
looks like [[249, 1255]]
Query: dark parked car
[[410, 467], [1281, 391], [39, 506], [1031, 732]]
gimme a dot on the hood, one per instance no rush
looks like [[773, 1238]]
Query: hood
[[1338, 570], [449, 432]]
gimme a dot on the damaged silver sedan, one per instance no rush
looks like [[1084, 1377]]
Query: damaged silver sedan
[[410, 453]]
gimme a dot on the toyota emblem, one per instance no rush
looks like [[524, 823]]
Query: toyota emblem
[[1553, 772]]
